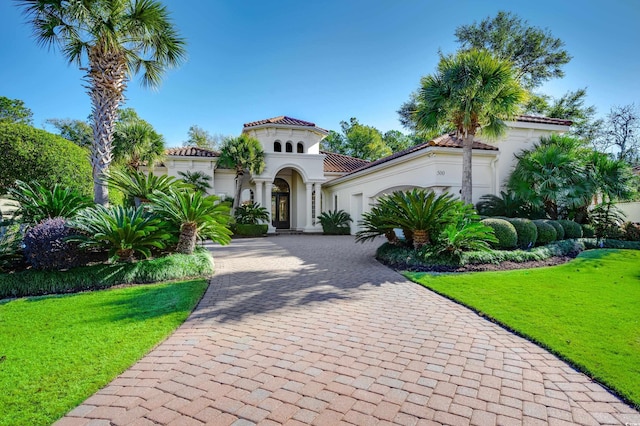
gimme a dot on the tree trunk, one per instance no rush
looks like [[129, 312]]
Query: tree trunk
[[236, 198], [187, 239], [420, 238], [107, 75], [467, 183], [391, 237]]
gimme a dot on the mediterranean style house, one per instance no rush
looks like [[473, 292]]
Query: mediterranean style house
[[300, 181]]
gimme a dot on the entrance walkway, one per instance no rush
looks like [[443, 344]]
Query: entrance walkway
[[312, 330]]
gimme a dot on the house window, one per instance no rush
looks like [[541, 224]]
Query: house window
[[300, 148], [289, 147], [277, 146]]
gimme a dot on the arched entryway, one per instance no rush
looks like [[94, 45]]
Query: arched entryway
[[281, 204]]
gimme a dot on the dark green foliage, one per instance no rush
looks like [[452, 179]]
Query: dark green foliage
[[200, 181], [46, 246], [335, 222], [546, 232], [172, 267], [124, 231], [505, 233], [31, 154], [527, 232], [464, 233], [251, 214], [14, 111], [38, 202], [588, 231], [139, 186], [571, 229], [507, 204], [607, 220], [10, 246], [631, 231], [250, 229], [559, 229]]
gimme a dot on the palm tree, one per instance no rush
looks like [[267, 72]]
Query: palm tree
[[136, 143], [116, 39], [472, 91], [195, 215], [198, 180], [242, 154]]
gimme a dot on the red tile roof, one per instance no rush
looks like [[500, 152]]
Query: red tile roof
[[444, 141], [544, 120], [192, 151], [341, 163], [282, 120]]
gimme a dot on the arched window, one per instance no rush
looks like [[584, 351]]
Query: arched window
[[289, 147], [300, 148], [277, 146]]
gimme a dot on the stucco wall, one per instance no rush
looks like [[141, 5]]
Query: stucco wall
[[309, 139], [631, 210]]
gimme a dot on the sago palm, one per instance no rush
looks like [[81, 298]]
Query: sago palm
[[473, 92], [195, 215], [111, 40], [38, 202], [139, 186], [241, 154]]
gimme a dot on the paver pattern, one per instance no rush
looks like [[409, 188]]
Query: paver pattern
[[312, 330]]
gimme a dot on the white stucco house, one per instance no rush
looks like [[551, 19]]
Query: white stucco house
[[300, 181]]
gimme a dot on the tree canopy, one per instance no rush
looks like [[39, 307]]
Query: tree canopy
[[197, 136], [14, 111], [241, 154], [77, 131]]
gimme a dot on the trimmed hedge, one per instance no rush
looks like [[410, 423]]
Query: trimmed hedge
[[31, 154], [250, 230], [172, 267], [504, 231], [571, 229], [588, 231], [559, 229], [527, 232], [546, 232]]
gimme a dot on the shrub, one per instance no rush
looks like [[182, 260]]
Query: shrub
[[251, 214], [571, 229], [124, 231], [507, 204], [559, 229], [335, 222], [138, 187], [631, 231], [557, 248], [504, 232], [171, 267], [38, 202], [546, 232], [250, 229], [607, 220], [465, 234], [10, 246], [46, 246], [588, 231], [31, 154], [526, 230]]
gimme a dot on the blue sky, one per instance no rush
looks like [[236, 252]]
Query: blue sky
[[322, 61]]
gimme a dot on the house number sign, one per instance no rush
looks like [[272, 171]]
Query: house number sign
[[440, 172]]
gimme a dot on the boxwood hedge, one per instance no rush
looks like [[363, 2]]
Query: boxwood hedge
[[527, 232], [504, 232], [571, 229], [546, 232]]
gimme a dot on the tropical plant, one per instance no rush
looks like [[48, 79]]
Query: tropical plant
[[138, 186], [375, 223], [116, 39], [46, 246], [31, 154], [631, 231], [124, 231], [464, 233], [199, 181], [505, 233], [10, 246], [251, 214], [474, 92], [195, 215], [607, 220], [241, 154], [38, 202], [506, 204], [136, 143], [335, 222]]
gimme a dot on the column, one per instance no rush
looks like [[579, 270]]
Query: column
[[267, 196], [318, 189], [309, 224], [258, 194]]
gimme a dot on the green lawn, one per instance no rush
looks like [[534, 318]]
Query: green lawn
[[56, 351], [587, 310]]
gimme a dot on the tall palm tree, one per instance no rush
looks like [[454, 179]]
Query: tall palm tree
[[135, 142], [472, 91], [115, 39], [243, 153]]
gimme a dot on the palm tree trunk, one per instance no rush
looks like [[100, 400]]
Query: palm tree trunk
[[187, 239], [467, 183], [107, 76], [420, 238], [236, 198]]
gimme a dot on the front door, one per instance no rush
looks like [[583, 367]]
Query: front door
[[280, 205]]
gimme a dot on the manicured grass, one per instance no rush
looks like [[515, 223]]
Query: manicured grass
[[587, 311], [55, 351]]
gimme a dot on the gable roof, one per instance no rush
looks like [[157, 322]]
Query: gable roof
[[544, 120], [283, 120], [341, 163], [192, 151]]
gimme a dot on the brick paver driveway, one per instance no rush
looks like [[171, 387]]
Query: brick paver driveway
[[312, 330]]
